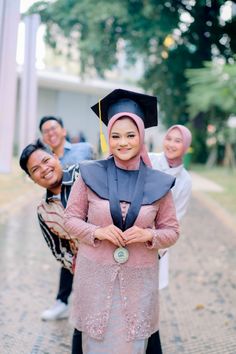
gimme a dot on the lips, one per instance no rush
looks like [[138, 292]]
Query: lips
[[48, 174], [124, 151], [52, 141]]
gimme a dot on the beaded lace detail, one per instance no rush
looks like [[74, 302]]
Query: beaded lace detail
[[93, 300]]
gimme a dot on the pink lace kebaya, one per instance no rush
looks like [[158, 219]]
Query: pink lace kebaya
[[100, 282]]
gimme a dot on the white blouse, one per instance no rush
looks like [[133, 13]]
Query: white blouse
[[183, 184]]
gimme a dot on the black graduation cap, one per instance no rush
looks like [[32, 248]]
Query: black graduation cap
[[119, 100]]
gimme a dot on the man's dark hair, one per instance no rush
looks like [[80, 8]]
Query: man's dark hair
[[46, 118], [28, 151]]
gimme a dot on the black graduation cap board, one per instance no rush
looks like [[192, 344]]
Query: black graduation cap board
[[119, 100]]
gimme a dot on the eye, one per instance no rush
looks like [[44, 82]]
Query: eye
[[46, 160], [115, 136], [34, 170], [131, 135]]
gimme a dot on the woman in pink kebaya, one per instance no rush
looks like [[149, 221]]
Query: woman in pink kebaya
[[122, 212]]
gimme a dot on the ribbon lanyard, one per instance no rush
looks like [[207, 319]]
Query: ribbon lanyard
[[103, 142]]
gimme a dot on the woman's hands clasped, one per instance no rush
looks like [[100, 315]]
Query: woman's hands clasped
[[110, 233], [119, 238], [136, 234]]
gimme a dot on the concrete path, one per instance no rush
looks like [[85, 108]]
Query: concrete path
[[204, 184], [198, 309]]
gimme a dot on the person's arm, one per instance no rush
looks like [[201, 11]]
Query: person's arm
[[91, 152], [182, 198], [166, 231], [60, 248], [75, 220], [75, 215], [52, 214]]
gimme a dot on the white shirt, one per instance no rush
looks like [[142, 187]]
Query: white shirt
[[181, 195], [183, 184]]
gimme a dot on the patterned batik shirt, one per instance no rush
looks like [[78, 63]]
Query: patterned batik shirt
[[50, 215]]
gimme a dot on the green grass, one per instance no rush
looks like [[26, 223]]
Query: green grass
[[225, 178]]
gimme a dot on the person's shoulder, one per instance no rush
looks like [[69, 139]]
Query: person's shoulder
[[70, 174], [71, 169], [159, 173], [186, 174], [185, 178], [41, 202], [155, 156], [93, 169], [91, 164], [81, 146]]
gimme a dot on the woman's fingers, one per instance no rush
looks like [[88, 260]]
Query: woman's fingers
[[119, 237], [116, 234], [113, 240], [112, 234], [131, 233], [136, 234]]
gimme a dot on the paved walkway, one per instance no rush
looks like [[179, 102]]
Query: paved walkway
[[204, 184], [198, 309]]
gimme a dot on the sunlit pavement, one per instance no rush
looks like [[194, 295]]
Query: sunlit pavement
[[198, 309]]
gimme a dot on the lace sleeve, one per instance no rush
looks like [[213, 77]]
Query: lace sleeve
[[76, 214], [166, 231]]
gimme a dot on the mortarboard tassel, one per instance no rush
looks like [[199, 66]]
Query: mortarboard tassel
[[103, 142]]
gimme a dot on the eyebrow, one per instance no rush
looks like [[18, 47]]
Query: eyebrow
[[44, 157], [178, 138], [132, 131]]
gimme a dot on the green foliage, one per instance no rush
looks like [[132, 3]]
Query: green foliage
[[193, 29], [213, 91], [212, 86]]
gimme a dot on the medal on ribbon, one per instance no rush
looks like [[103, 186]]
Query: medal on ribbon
[[121, 255]]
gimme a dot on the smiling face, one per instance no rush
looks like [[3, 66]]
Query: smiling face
[[53, 134], [173, 144], [45, 169], [124, 139]]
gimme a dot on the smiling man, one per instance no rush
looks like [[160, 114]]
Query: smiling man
[[45, 169], [54, 136]]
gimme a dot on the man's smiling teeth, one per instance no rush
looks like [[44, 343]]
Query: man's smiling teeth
[[48, 175]]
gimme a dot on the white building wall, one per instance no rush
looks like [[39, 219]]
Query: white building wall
[[75, 110], [73, 104]]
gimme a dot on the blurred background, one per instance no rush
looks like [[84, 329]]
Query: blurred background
[[60, 56]]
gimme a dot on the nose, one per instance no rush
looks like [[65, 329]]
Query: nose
[[171, 143], [43, 168], [123, 141], [51, 132]]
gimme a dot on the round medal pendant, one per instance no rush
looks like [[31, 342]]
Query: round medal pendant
[[121, 255]]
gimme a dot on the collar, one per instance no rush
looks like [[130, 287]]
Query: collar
[[68, 178], [95, 176], [67, 145]]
